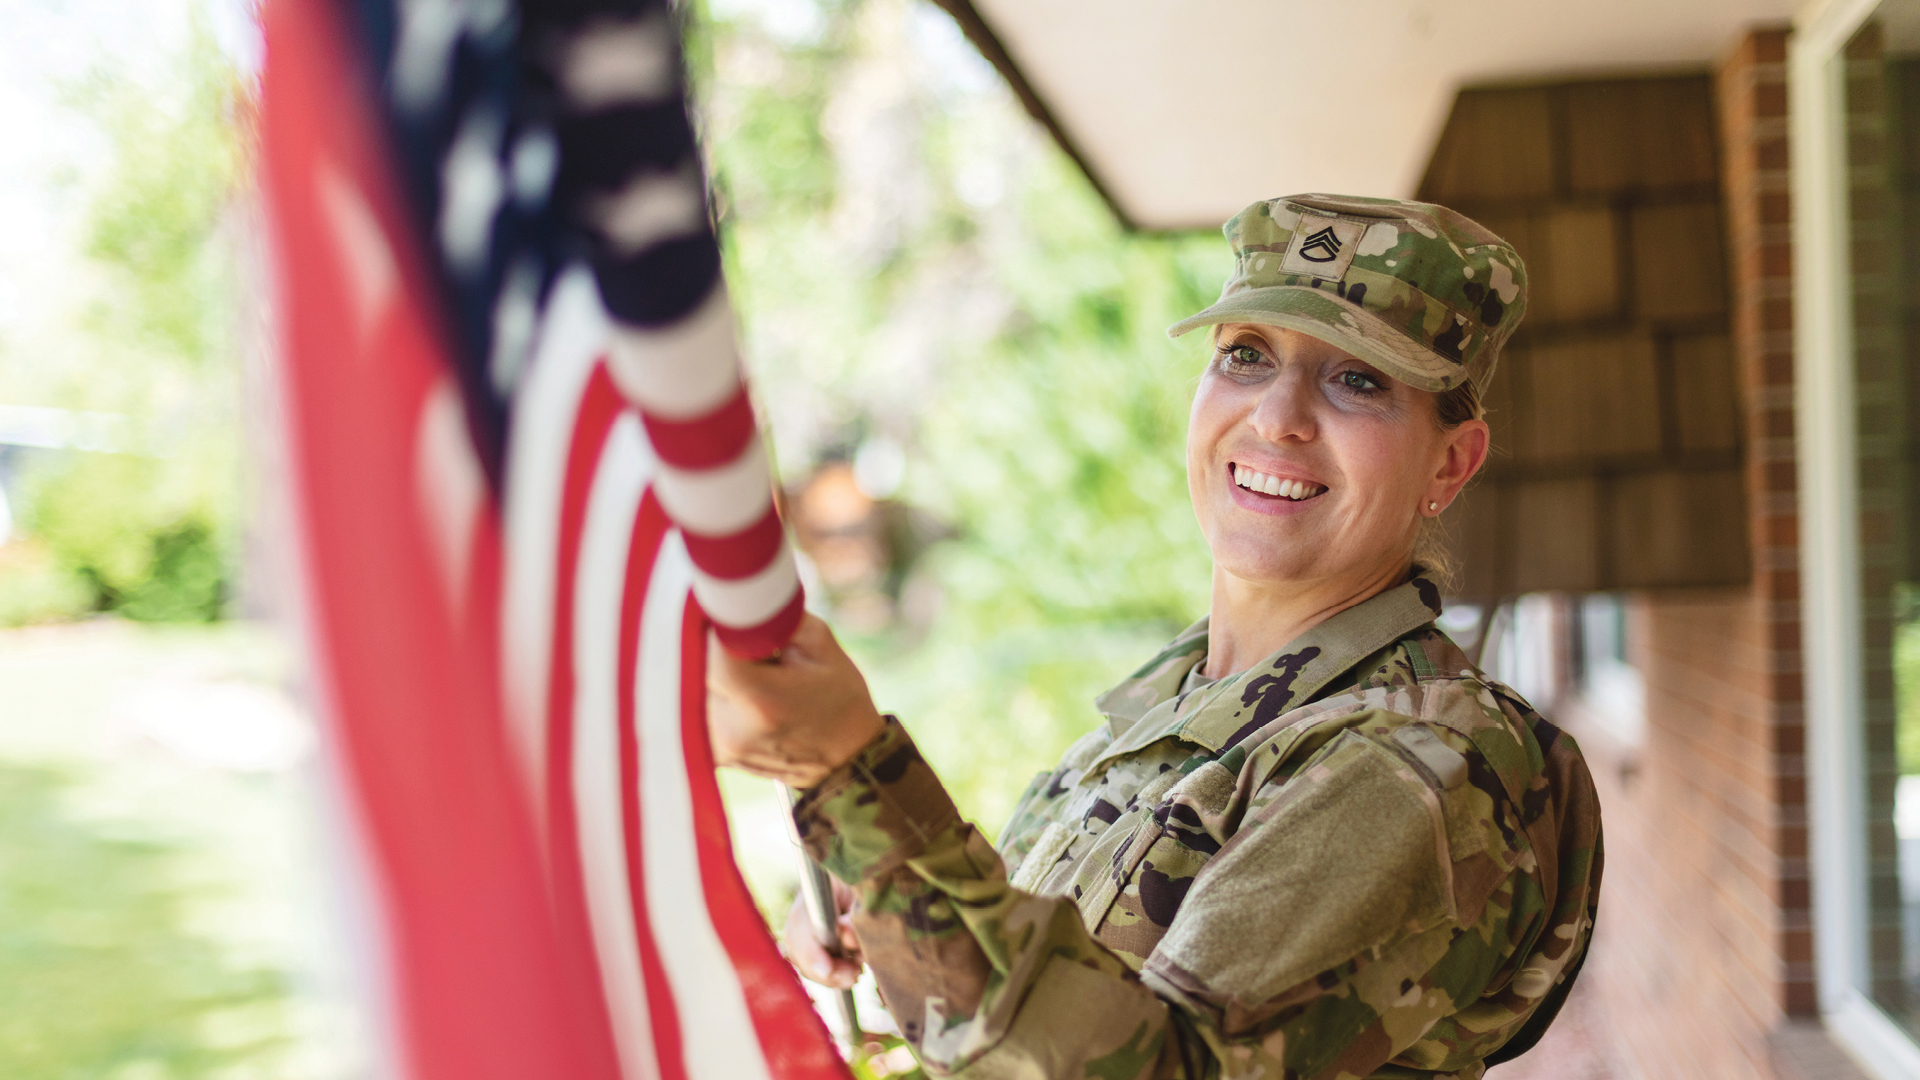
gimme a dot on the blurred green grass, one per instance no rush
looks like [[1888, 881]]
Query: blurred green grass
[[100, 971], [161, 915]]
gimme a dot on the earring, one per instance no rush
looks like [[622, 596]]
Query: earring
[[1433, 506]]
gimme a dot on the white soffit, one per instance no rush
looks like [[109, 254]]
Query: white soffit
[[1185, 111]]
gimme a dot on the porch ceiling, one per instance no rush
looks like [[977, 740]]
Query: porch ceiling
[[1184, 111]]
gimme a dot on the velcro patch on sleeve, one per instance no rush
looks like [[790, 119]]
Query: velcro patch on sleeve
[[1346, 861], [1322, 247]]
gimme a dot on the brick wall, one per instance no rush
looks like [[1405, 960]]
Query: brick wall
[[1705, 943]]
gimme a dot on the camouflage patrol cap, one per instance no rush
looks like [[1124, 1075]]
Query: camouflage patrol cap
[[1418, 291]]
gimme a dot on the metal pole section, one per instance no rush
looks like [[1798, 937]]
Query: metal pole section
[[816, 891]]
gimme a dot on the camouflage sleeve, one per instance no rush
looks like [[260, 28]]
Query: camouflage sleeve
[[1323, 940], [984, 980]]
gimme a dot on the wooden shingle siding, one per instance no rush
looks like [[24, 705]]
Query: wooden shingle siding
[[1669, 528], [1647, 136], [1496, 146], [1555, 525], [1708, 417], [1588, 399], [1679, 263], [1620, 385], [1579, 277]]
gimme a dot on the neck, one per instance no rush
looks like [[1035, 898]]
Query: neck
[[1251, 620]]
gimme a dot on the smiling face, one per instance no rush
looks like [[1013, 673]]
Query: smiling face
[[1308, 467]]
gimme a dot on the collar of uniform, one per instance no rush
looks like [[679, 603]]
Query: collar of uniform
[[1219, 715], [1157, 681]]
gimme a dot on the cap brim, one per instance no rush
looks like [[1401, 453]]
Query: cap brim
[[1332, 320]]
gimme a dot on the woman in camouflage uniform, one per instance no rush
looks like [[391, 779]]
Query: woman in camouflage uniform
[[1310, 839]]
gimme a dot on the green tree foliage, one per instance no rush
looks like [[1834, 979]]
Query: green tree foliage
[[142, 547], [177, 161], [148, 531], [99, 974], [1906, 671], [914, 259]]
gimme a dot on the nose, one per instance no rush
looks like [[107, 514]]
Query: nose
[[1285, 409]]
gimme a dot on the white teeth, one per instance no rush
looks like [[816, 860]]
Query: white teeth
[[1273, 485]]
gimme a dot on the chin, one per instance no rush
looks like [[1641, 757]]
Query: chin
[[1267, 562]]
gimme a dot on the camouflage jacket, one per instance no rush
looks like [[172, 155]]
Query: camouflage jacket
[[1358, 858]]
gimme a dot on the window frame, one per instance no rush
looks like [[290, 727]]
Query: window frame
[[1829, 538]]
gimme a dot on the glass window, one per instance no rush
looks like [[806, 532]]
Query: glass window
[[1535, 644], [1614, 696], [1881, 95]]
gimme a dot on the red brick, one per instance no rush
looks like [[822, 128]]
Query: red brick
[[1776, 260], [1770, 100], [1776, 315], [1791, 791], [1767, 46], [1778, 584], [1776, 423], [1789, 739], [1801, 999], [1772, 154]]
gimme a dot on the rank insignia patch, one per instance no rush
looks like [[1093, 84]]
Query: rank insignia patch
[[1322, 247]]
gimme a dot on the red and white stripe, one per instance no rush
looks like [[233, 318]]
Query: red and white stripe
[[712, 475], [402, 562], [615, 716], [516, 689]]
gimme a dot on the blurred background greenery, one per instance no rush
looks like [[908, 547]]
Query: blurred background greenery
[[963, 361], [961, 357], [147, 531]]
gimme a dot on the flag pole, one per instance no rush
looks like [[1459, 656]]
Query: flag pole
[[816, 891]]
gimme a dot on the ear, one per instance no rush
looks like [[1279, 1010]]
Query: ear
[[1463, 451]]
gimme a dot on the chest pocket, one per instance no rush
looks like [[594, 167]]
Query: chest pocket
[[1151, 873]]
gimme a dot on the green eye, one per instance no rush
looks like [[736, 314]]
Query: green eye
[[1358, 380], [1241, 355]]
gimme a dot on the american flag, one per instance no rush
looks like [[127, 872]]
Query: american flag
[[528, 481]]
